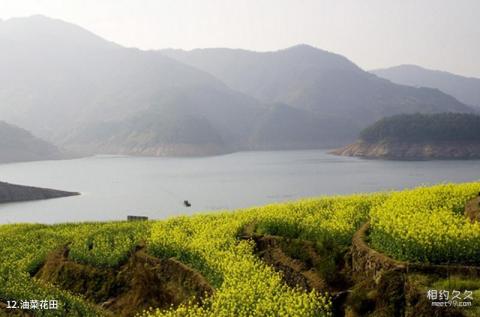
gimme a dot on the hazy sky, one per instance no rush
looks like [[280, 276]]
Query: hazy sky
[[439, 34]]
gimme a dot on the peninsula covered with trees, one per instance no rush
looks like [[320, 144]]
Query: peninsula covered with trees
[[419, 137]]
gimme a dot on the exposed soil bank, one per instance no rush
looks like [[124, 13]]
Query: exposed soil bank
[[369, 262], [472, 209], [387, 287], [15, 193], [160, 150], [361, 281], [300, 263], [139, 284], [412, 151]]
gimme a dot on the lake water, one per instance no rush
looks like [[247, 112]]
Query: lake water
[[113, 187]]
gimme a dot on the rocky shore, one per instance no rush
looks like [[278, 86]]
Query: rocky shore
[[412, 151]]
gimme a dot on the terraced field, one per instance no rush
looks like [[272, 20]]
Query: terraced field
[[290, 259]]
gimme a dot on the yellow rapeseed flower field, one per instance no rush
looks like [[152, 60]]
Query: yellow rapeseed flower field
[[425, 224]]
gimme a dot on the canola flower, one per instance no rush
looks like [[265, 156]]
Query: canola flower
[[245, 286], [427, 224]]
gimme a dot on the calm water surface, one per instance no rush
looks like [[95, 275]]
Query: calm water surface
[[113, 187]]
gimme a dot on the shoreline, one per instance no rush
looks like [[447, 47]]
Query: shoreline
[[10, 193], [409, 151]]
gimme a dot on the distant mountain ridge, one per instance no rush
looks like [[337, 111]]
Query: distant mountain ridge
[[71, 87], [58, 76], [322, 83], [465, 89], [18, 145], [269, 76]]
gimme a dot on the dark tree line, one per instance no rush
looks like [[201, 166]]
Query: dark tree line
[[424, 128]]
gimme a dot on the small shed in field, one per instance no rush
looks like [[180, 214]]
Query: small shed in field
[[137, 218]]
